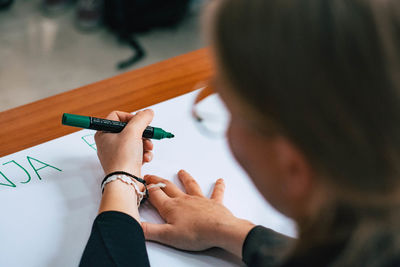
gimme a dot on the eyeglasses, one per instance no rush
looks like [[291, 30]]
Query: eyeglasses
[[209, 112]]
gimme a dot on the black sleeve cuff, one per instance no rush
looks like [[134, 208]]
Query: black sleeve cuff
[[117, 239], [264, 247]]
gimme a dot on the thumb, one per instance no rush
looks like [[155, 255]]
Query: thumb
[[138, 123], [156, 232]]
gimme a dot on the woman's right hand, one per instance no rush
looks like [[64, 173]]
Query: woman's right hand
[[127, 150], [193, 221]]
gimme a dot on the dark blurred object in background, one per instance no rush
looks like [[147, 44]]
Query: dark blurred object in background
[[89, 14], [124, 17], [53, 7], [5, 4], [127, 17]]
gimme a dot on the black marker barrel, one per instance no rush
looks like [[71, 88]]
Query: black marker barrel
[[110, 126]]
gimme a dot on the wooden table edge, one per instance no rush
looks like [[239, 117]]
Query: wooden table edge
[[40, 121]]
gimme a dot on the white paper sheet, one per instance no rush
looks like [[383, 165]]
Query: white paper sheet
[[46, 221]]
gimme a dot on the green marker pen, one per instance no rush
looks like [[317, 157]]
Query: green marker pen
[[110, 126]]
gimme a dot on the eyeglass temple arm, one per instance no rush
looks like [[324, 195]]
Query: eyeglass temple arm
[[206, 91]]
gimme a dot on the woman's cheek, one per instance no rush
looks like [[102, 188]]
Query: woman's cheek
[[238, 142], [254, 154]]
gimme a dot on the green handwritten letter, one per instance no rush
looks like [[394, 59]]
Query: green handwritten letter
[[88, 140], [30, 159], [11, 184], [27, 173]]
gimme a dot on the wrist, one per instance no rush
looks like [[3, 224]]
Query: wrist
[[119, 196], [133, 171], [232, 235], [132, 174]]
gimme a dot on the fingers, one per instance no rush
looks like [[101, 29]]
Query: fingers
[[147, 156], [218, 192], [139, 122], [119, 116], [147, 144], [136, 123], [96, 136], [147, 148], [158, 198], [191, 186], [171, 189], [156, 232]]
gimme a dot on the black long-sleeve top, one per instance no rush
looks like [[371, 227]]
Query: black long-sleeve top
[[117, 240]]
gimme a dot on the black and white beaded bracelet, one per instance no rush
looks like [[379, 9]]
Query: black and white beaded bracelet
[[130, 180]]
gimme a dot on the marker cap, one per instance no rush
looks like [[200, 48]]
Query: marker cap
[[160, 134], [76, 120]]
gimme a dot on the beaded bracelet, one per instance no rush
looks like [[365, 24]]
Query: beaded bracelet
[[129, 179], [140, 180]]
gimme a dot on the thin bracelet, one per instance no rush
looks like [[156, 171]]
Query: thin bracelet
[[140, 180], [127, 180], [142, 195]]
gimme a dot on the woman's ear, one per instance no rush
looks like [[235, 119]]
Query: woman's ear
[[296, 175]]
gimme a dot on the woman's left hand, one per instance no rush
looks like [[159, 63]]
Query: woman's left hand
[[193, 221]]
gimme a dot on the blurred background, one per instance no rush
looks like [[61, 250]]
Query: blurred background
[[51, 46]]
